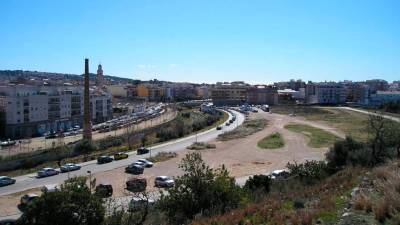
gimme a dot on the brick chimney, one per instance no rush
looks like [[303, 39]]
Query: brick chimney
[[87, 125]]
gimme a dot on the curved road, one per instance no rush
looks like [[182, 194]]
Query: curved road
[[29, 181]]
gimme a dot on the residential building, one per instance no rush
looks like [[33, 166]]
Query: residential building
[[378, 84], [262, 94], [325, 93], [234, 93], [34, 110]]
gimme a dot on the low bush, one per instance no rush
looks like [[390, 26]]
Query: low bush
[[201, 146], [309, 171]]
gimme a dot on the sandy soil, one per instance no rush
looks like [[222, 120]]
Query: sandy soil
[[242, 157]]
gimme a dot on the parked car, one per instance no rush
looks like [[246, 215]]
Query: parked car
[[120, 155], [4, 181], [69, 167], [28, 199], [50, 188], [104, 159], [51, 135], [136, 184], [46, 172], [8, 222], [146, 162], [227, 123], [134, 169], [139, 203], [219, 127], [163, 181], [142, 150], [278, 173], [104, 190], [7, 143]]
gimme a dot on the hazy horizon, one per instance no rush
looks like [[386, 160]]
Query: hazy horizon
[[207, 41]]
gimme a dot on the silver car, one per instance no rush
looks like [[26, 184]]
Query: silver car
[[163, 181], [46, 172], [4, 181], [69, 167], [145, 162]]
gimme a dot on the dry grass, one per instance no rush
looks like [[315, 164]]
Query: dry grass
[[249, 127], [351, 123], [162, 156], [201, 146]]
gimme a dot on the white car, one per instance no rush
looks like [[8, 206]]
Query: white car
[[276, 173], [163, 181], [50, 188], [146, 162], [46, 172]]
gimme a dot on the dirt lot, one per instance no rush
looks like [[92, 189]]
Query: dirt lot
[[242, 157]]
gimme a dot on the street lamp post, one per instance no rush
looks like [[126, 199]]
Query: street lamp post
[[90, 179]]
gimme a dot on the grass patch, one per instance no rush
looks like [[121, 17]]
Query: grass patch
[[318, 137], [272, 141], [162, 156], [350, 122], [247, 128], [201, 146]]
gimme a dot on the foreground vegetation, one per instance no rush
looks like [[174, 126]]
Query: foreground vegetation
[[186, 122], [318, 138], [272, 141], [249, 127]]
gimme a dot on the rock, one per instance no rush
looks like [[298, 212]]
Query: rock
[[355, 191], [346, 214]]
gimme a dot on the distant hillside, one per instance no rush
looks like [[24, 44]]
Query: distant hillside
[[13, 74]]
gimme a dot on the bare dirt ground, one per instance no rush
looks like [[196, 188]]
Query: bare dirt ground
[[242, 157]]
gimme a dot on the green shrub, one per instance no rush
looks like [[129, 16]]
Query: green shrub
[[309, 171], [258, 182]]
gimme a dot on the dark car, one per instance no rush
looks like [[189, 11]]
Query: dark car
[[4, 181], [104, 190], [8, 222], [227, 123], [142, 150], [134, 169], [51, 136], [219, 127], [104, 159]]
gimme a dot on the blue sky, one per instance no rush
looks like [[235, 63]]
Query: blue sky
[[205, 40]]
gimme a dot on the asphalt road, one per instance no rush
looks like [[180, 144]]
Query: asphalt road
[[30, 181]]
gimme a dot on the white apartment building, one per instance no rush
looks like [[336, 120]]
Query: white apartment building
[[34, 110], [325, 93]]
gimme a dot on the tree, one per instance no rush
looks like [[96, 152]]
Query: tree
[[258, 182], [379, 130], [84, 147], [72, 204], [200, 190]]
